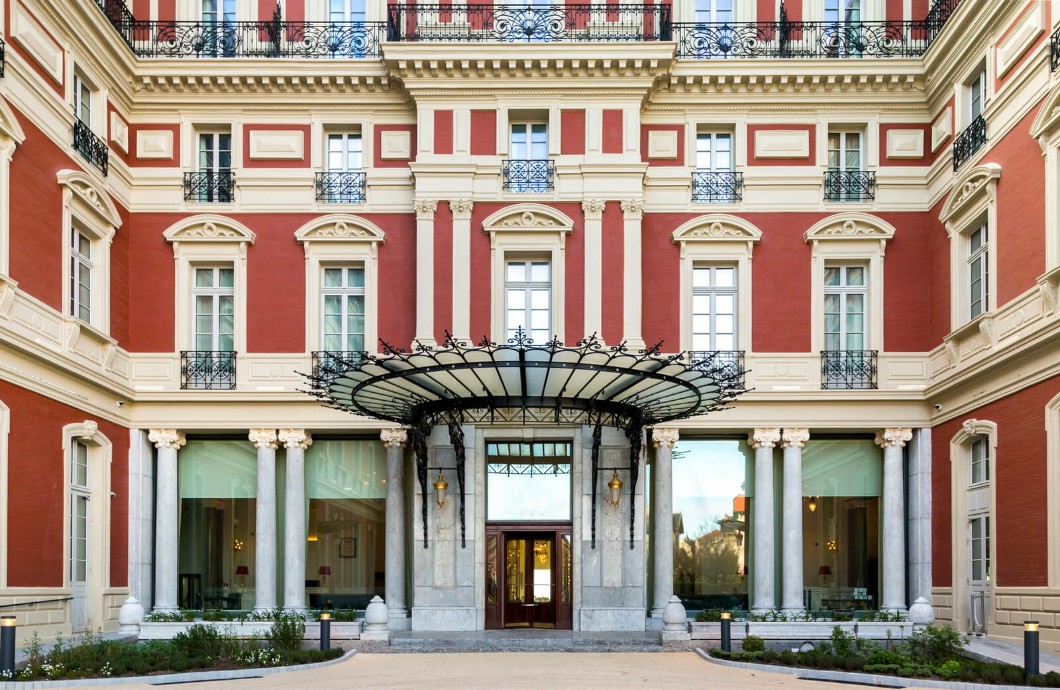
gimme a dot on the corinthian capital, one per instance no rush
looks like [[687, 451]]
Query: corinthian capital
[[461, 207], [263, 438], [425, 208], [166, 438], [795, 438], [664, 437], [894, 437], [594, 207], [295, 438], [633, 207], [764, 438], [394, 438]]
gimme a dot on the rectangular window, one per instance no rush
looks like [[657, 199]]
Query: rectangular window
[[81, 276], [845, 300], [978, 272], [844, 150], [714, 308], [980, 460], [220, 37], [344, 152], [979, 528], [213, 179], [343, 309], [78, 511], [714, 151], [977, 95], [842, 11], [528, 299], [78, 464], [82, 100], [714, 12], [529, 141], [346, 11], [214, 312], [528, 168]]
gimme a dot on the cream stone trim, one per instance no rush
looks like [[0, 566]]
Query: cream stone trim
[[100, 457], [1046, 129], [846, 238], [1052, 478], [295, 438], [11, 136], [167, 438], [5, 430], [764, 438], [973, 200], [461, 209], [661, 436], [394, 438], [527, 229], [340, 239], [794, 438], [593, 321], [88, 208], [208, 240], [263, 439]]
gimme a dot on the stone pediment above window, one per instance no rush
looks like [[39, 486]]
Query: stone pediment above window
[[528, 217], [1046, 124], [81, 190], [850, 226], [717, 227], [209, 228], [9, 127], [340, 228], [972, 192]]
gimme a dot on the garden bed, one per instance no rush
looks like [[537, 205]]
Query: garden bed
[[164, 625]]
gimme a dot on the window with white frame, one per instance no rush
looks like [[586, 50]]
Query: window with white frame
[[346, 11], [714, 304], [976, 92], [528, 167], [528, 298], [212, 180], [842, 11], [979, 460], [213, 296], [979, 544], [714, 12], [80, 495], [90, 220], [343, 309], [343, 180], [344, 151], [714, 179], [81, 269], [82, 100], [845, 300], [219, 16], [844, 150], [978, 262], [846, 179], [714, 151]]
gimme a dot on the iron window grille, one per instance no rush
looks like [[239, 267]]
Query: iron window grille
[[329, 365], [3, 55], [341, 187], [849, 185], [207, 370], [1054, 51], [210, 186], [969, 141], [712, 187], [849, 369], [528, 175], [92, 148], [729, 364]]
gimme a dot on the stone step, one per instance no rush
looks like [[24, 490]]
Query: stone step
[[519, 641]]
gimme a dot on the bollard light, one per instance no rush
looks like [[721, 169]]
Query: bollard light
[[726, 631], [7, 646], [325, 632], [1030, 648]]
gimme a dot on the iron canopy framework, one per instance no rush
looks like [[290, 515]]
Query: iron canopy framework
[[523, 382]]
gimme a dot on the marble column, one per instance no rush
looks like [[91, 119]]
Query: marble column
[[265, 527], [461, 209], [892, 441], [792, 442], [662, 505], [295, 441], [425, 209], [394, 592], [632, 280], [763, 441], [167, 511], [594, 266]]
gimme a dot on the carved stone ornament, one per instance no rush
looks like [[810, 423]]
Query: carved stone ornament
[[340, 227], [894, 437], [209, 228], [295, 438], [394, 438], [850, 226], [795, 438], [528, 219], [166, 438], [83, 188], [461, 206], [970, 186], [667, 437], [263, 438], [425, 207], [717, 227], [632, 207], [764, 438], [969, 426], [594, 205], [88, 431]]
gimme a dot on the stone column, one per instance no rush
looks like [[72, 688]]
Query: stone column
[[594, 266], [892, 441], [425, 209], [168, 442], [662, 505], [461, 326], [764, 595], [792, 442], [395, 440], [295, 441], [632, 280], [265, 527]]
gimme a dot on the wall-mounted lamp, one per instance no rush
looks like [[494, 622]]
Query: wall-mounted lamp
[[441, 487], [614, 488]]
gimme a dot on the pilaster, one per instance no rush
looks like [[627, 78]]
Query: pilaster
[[425, 209], [594, 266], [461, 326], [632, 278]]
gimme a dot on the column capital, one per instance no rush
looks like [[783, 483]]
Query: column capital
[[394, 438], [461, 208], [166, 438], [764, 438], [594, 207], [795, 438], [894, 437], [425, 208], [633, 208], [661, 436], [263, 438], [295, 438]]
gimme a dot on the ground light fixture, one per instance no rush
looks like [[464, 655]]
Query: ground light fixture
[[726, 631], [614, 489], [7, 646], [441, 488], [325, 631], [1030, 648]]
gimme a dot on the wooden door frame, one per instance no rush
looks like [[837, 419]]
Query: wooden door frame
[[499, 531]]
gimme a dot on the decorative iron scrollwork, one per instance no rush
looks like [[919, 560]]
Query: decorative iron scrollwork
[[848, 369], [207, 370], [969, 141], [849, 185], [341, 187], [717, 187], [528, 175], [92, 148], [210, 186]]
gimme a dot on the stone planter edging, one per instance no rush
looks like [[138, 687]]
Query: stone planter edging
[[801, 630], [166, 630]]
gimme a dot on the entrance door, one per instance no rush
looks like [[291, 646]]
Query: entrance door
[[978, 573], [528, 578]]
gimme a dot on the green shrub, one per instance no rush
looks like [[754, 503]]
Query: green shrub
[[200, 640], [885, 656], [789, 657], [178, 616], [753, 643], [852, 663], [708, 616], [881, 668], [936, 644], [720, 654], [949, 669], [770, 656], [842, 642], [286, 634], [1012, 674]]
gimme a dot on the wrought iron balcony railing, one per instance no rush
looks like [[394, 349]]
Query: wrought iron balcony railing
[[848, 369], [596, 23], [969, 141], [327, 364], [849, 185], [939, 14], [210, 186], [787, 39], [3, 56], [727, 365], [528, 175], [92, 148], [717, 187], [341, 187], [1054, 51], [207, 370]]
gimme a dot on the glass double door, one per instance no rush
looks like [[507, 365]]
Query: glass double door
[[528, 579]]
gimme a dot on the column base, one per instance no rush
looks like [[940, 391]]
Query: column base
[[399, 619]]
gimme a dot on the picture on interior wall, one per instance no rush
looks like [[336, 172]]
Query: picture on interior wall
[[348, 548]]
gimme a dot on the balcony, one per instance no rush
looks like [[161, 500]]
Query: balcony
[[341, 187], [533, 176], [714, 187], [210, 186], [3, 55], [207, 370], [969, 141], [1054, 52], [576, 23], [92, 148], [327, 365], [727, 365], [849, 185], [848, 369]]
